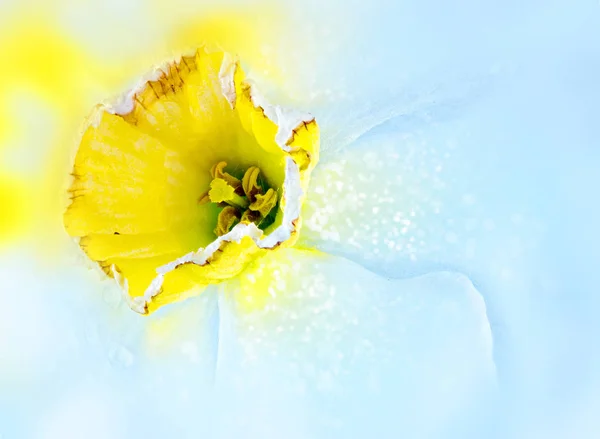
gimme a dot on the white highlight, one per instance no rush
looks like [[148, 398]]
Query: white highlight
[[227, 78]]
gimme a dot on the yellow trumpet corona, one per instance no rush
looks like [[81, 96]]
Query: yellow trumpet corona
[[151, 200]]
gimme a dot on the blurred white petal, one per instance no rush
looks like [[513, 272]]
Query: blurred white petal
[[71, 349], [336, 351], [496, 182]]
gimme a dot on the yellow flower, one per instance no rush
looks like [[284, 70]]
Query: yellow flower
[[187, 179]]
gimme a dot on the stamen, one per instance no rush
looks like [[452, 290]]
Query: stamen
[[250, 183], [265, 203], [204, 199], [228, 218], [245, 203], [217, 171], [250, 216]]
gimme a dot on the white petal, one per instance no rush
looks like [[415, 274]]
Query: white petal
[[339, 351], [498, 182]]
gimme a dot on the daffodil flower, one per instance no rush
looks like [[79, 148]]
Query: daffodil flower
[[188, 178], [192, 179]]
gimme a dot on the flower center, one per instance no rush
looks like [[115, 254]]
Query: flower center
[[248, 200]]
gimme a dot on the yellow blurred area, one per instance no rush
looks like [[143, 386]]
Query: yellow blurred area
[[53, 74], [13, 196], [264, 284], [245, 31]]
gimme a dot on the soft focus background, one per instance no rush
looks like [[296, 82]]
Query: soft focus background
[[455, 209]]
